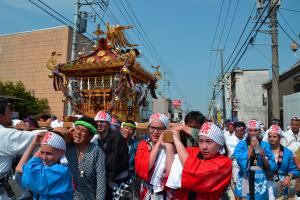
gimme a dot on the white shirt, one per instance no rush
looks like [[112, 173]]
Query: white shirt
[[12, 143], [292, 140], [230, 141]]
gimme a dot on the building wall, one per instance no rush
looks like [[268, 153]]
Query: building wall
[[289, 84], [291, 108], [162, 105], [249, 94], [23, 57]]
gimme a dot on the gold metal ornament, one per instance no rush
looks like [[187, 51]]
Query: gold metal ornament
[[51, 75], [125, 70], [158, 75], [51, 62], [64, 99], [101, 53], [116, 98], [90, 60], [106, 59]]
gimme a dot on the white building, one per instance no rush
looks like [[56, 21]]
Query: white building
[[162, 105], [247, 97]]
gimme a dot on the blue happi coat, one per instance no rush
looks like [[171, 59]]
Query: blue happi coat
[[260, 183], [47, 182], [287, 167]]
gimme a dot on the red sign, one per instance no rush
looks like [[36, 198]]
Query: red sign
[[176, 103]]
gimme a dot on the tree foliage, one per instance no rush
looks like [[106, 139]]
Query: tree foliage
[[30, 105]]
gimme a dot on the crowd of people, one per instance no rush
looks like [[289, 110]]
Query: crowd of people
[[103, 158]]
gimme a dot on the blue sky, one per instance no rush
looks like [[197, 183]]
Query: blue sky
[[181, 32]]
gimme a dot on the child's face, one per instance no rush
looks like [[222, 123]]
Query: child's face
[[50, 155]]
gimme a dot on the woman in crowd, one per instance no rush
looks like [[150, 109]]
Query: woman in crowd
[[200, 172], [87, 161], [152, 158], [46, 174]]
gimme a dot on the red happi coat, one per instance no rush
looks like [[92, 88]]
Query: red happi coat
[[141, 160], [208, 178]]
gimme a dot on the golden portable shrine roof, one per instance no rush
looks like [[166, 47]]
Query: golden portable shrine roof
[[100, 63], [110, 55]]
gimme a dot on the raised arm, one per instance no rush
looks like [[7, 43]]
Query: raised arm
[[35, 143]]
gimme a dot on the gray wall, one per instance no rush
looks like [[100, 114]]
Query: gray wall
[[291, 107], [249, 93]]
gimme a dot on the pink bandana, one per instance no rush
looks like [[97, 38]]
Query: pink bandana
[[54, 141], [276, 129], [160, 117], [213, 132], [253, 124], [103, 116]]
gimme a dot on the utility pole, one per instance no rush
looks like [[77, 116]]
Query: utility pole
[[275, 60], [75, 28], [74, 50], [223, 83]]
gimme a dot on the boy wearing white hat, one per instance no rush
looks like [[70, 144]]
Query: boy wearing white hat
[[46, 173], [200, 172]]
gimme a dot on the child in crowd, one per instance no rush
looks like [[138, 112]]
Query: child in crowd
[[46, 173]]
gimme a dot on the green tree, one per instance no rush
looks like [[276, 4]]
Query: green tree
[[30, 105]]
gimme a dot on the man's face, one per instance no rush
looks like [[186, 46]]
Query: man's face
[[208, 147], [230, 128], [6, 118], [295, 125], [240, 132], [103, 126], [127, 132], [81, 135], [193, 124], [273, 138]]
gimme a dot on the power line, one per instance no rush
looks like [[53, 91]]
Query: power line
[[142, 29], [246, 42], [48, 13], [95, 11], [274, 7], [233, 17], [288, 24], [134, 30], [212, 45], [224, 23], [249, 35], [244, 29], [297, 11], [147, 41], [55, 17], [288, 35]]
